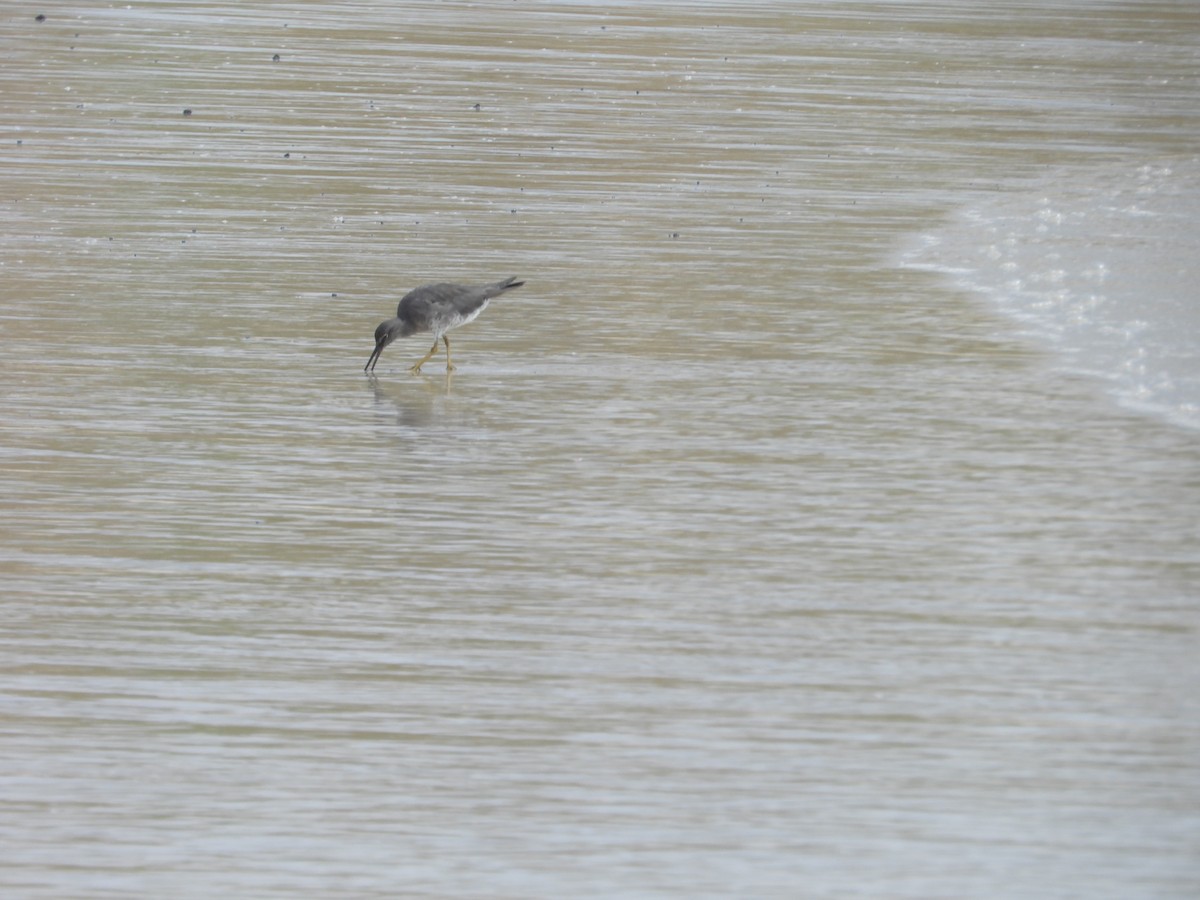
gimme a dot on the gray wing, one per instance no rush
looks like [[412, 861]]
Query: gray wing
[[425, 303]]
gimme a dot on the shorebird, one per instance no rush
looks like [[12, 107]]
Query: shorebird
[[437, 308]]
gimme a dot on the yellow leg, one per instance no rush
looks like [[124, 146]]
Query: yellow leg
[[450, 367], [416, 369]]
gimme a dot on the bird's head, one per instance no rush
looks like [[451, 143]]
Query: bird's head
[[386, 333]]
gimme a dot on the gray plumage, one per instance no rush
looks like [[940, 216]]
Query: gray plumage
[[437, 308]]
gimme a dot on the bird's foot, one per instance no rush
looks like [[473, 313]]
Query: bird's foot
[[450, 368], [416, 370]]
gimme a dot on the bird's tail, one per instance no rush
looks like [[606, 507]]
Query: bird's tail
[[507, 284]]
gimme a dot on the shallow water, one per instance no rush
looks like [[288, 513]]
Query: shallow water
[[739, 557], [1098, 265]]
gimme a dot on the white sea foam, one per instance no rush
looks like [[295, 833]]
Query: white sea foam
[[1102, 264]]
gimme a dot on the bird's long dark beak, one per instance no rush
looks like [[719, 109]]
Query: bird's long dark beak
[[370, 366]]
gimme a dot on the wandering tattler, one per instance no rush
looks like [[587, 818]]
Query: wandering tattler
[[436, 308]]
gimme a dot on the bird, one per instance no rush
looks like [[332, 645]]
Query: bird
[[437, 308]]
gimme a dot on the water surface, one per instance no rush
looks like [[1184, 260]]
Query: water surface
[[740, 557]]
